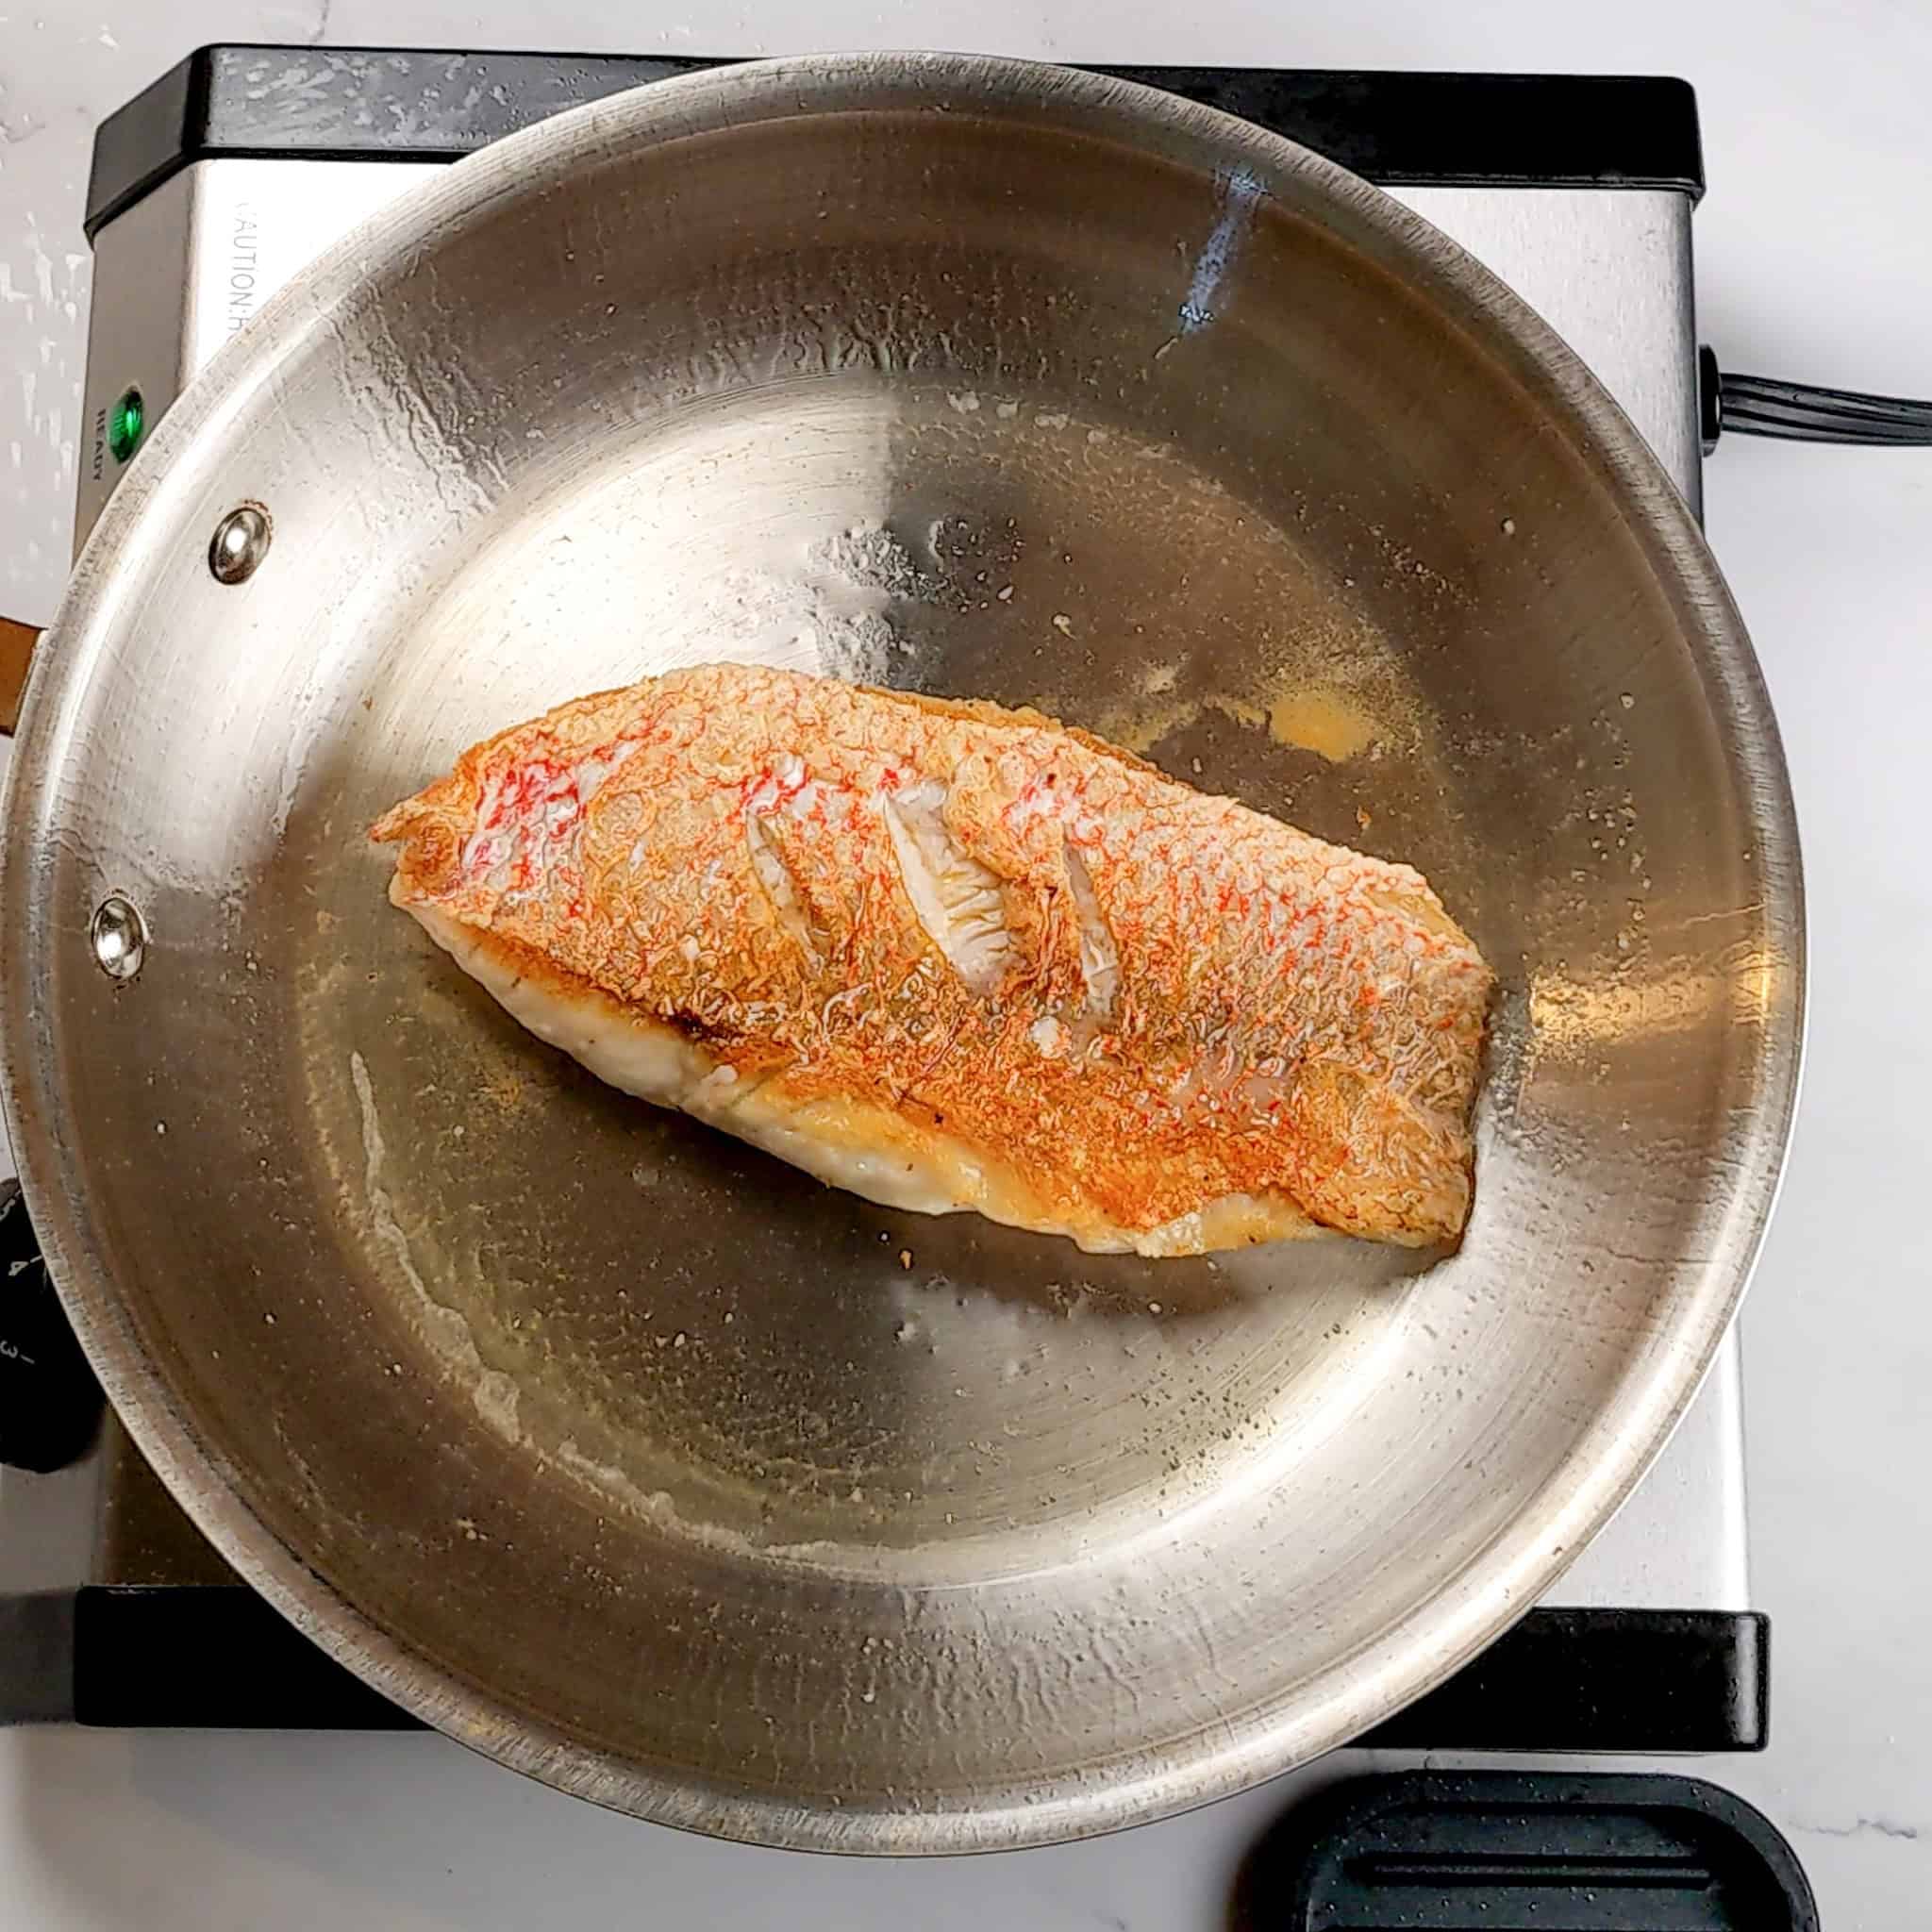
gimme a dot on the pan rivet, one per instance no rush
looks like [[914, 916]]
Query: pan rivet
[[239, 544], [120, 938]]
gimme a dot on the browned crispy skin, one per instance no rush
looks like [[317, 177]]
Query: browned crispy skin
[[957, 956]]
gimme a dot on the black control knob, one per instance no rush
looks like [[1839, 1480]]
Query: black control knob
[[50, 1404]]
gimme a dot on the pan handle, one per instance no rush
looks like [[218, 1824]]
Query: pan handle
[[17, 641], [1801, 412]]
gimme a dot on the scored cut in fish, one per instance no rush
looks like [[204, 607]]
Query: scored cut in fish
[[951, 956]]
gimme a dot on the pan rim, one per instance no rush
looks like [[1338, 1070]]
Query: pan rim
[[1392, 1667]]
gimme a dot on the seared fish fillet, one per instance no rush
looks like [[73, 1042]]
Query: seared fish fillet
[[951, 956]]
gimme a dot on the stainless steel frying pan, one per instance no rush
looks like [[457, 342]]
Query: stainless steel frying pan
[[652, 1468]]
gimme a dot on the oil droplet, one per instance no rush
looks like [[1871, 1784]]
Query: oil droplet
[[1321, 722]]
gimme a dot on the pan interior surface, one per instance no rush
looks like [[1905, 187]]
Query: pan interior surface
[[640, 1460]]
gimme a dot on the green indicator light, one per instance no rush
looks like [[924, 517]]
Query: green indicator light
[[125, 421]]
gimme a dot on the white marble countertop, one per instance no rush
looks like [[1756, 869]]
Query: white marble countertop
[[1813, 263]]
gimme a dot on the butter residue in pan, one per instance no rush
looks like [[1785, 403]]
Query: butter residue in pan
[[1334, 724]]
